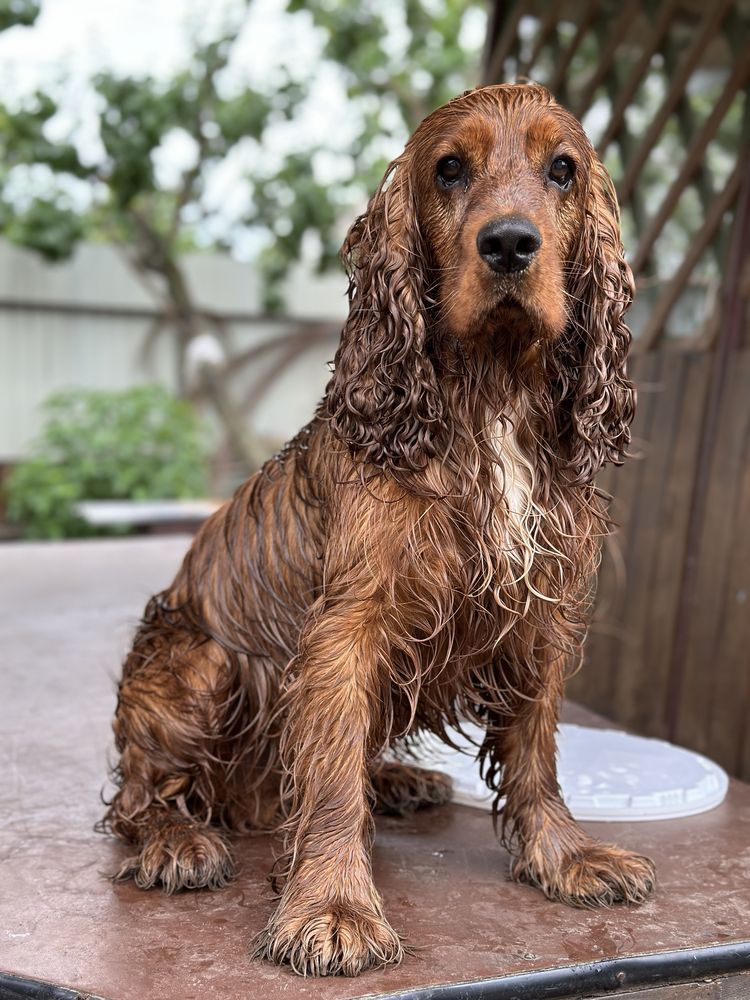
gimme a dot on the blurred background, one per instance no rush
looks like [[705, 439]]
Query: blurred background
[[175, 180]]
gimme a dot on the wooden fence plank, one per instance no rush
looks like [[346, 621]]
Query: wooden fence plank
[[627, 657], [699, 665], [595, 683], [635, 699], [672, 516], [730, 642]]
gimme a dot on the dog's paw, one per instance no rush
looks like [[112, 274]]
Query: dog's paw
[[593, 875], [401, 788], [180, 856], [339, 941]]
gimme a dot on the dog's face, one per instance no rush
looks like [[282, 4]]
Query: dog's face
[[497, 226], [500, 179]]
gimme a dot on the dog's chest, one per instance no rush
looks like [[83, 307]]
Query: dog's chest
[[515, 513]]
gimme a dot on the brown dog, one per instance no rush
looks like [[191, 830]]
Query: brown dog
[[423, 552]]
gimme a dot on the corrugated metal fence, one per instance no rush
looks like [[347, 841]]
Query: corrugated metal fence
[[86, 323]]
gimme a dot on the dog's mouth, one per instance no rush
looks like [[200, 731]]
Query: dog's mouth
[[516, 304], [519, 304], [507, 300], [510, 310], [509, 285], [521, 317]]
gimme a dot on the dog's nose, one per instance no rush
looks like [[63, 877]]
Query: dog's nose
[[508, 245]]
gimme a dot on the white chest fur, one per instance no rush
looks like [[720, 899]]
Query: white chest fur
[[519, 522], [514, 476]]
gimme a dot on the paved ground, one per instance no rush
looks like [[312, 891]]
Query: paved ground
[[67, 612]]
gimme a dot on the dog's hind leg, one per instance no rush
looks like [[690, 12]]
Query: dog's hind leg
[[401, 788], [174, 700]]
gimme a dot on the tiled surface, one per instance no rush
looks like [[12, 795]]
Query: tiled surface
[[66, 612]]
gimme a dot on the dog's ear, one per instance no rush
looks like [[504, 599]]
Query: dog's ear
[[595, 399], [383, 399]]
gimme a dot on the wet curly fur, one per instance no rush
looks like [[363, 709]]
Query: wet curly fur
[[422, 553]]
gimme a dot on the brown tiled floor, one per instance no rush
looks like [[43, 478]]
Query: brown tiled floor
[[67, 611]]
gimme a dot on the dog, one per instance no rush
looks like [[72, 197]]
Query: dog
[[421, 554]]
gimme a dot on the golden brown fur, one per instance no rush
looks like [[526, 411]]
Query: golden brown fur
[[421, 554]]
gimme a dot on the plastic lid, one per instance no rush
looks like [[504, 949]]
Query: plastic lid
[[604, 774]]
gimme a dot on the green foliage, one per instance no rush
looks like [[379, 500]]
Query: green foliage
[[134, 445], [50, 226], [137, 115], [399, 60], [23, 139], [125, 202], [418, 67], [290, 204], [21, 12]]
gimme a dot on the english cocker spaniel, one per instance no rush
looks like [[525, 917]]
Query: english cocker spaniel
[[422, 553]]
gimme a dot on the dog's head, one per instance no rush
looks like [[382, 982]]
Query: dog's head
[[497, 224]]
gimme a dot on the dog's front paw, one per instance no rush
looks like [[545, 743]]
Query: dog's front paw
[[593, 875], [180, 856], [340, 940]]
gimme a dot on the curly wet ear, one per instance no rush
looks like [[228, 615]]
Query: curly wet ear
[[595, 398], [383, 399]]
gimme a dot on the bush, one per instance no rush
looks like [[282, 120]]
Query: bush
[[139, 444]]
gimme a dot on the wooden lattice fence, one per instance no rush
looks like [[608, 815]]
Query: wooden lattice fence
[[662, 89]]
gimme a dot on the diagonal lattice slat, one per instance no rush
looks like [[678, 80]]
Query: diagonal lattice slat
[[693, 159], [711, 22], [651, 46], [707, 232], [617, 29]]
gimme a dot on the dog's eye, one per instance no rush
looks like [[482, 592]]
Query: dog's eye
[[450, 170], [561, 172]]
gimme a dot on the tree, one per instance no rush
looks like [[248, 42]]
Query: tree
[[398, 60], [118, 195]]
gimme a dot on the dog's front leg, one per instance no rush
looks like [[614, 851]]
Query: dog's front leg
[[551, 850], [329, 919]]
